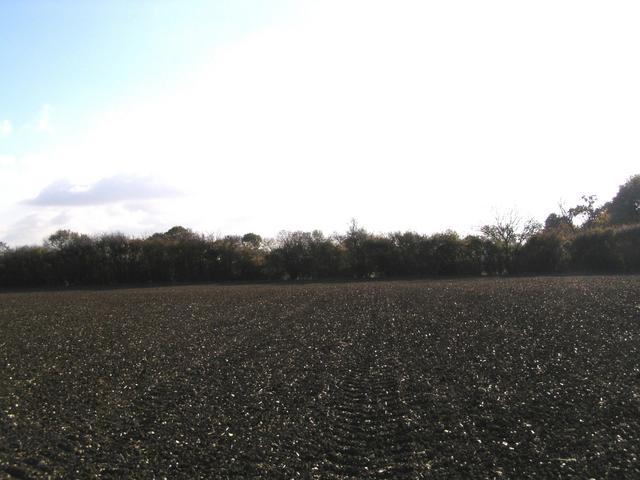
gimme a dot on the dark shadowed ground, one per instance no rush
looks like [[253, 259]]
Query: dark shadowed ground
[[516, 378]]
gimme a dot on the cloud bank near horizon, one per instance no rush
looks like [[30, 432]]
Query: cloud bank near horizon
[[118, 188]]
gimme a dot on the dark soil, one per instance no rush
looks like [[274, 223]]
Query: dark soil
[[519, 378]]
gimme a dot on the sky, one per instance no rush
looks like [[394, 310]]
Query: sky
[[246, 115]]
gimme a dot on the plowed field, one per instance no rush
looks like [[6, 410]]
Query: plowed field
[[486, 378]]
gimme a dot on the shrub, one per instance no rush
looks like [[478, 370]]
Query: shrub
[[543, 253], [595, 251]]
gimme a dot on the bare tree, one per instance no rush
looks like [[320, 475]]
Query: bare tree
[[509, 232]]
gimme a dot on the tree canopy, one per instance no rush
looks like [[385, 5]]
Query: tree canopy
[[584, 238]]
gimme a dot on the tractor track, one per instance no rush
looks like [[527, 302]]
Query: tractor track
[[366, 432]]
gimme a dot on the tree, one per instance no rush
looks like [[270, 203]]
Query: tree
[[179, 233], [293, 254], [476, 252], [354, 243], [509, 232], [586, 212], [62, 239], [625, 206], [252, 239], [380, 254], [560, 224], [407, 246]]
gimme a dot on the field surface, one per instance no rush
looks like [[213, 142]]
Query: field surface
[[486, 378]]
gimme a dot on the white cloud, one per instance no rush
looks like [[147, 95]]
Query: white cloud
[[7, 161], [114, 189], [422, 115], [43, 122], [5, 128]]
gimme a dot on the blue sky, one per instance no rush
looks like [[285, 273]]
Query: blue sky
[[236, 116], [86, 57]]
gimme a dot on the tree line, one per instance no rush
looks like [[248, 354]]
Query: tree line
[[584, 238]]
